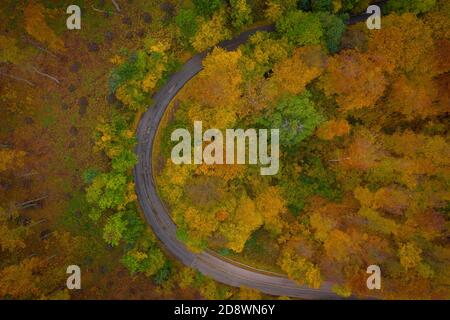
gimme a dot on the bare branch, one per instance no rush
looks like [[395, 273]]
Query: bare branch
[[46, 75], [32, 173], [30, 202], [116, 5], [31, 84], [105, 11], [39, 47], [37, 222], [338, 160]]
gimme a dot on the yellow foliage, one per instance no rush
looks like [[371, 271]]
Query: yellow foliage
[[249, 294], [172, 181], [11, 159], [322, 225], [116, 59], [21, 281], [12, 238], [338, 246], [8, 50], [185, 277], [410, 255], [37, 27], [226, 172], [201, 224], [273, 11], [211, 32], [299, 268], [271, 204], [241, 225], [293, 74]]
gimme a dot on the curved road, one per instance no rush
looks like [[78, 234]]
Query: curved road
[[209, 264]]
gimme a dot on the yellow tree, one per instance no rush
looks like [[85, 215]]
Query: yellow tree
[[22, 281], [246, 293], [241, 224], [9, 52], [271, 205], [219, 82], [293, 74], [299, 268], [12, 238], [11, 159], [201, 224], [211, 32], [410, 255]]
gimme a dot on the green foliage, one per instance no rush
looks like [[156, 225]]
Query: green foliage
[[295, 116], [301, 28], [304, 5], [111, 190], [135, 227], [315, 179], [89, 175], [241, 13], [414, 6], [321, 5], [134, 80], [133, 68], [107, 191], [186, 22], [163, 274], [124, 161], [320, 180], [224, 252], [207, 7], [114, 229], [348, 5], [334, 28], [146, 258]]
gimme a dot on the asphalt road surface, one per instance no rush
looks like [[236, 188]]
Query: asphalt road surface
[[219, 268]]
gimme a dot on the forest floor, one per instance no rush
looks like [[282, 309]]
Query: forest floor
[[56, 130]]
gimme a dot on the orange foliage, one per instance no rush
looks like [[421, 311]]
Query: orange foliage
[[355, 78], [402, 44], [333, 128], [413, 99]]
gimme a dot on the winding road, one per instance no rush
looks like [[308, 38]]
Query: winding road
[[219, 268]]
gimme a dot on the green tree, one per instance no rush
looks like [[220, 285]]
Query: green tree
[[207, 7], [186, 22], [114, 229], [295, 116], [241, 13], [145, 257], [301, 28], [321, 5], [334, 28]]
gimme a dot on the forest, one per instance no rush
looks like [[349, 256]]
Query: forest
[[364, 146]]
